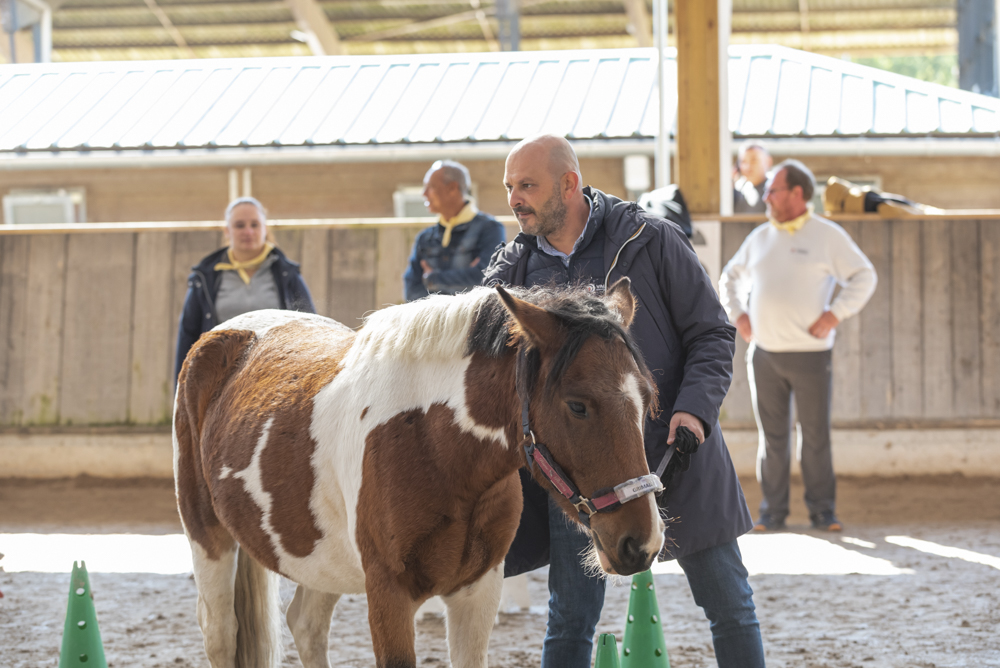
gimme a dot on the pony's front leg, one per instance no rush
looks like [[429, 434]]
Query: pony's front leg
[[472, 612], [215, 579], [390, 617], [308, 617]]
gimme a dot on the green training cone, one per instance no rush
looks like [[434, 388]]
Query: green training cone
[[607, 652], [643, 645], [81, 645]]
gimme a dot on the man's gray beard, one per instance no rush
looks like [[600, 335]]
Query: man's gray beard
[[551, 217]]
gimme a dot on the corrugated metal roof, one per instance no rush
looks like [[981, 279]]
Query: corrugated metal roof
[[161, 107]]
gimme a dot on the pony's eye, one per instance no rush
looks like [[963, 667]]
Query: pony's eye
[[579, 410]]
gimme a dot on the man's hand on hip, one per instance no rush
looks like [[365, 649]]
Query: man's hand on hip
[[824, 325], [682, 419], [744, 328]]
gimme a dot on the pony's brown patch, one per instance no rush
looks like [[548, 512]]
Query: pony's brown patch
[[430, 541], [208, 366], [364, 412], [485, 406]]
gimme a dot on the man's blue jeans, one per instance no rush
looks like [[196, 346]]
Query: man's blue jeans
[[718, 582]]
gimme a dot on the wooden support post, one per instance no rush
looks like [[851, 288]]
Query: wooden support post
[[703, 138]]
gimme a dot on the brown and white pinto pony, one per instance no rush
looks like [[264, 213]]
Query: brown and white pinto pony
[[384, 461]]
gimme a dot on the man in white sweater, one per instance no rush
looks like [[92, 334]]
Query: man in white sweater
[[777, 290]]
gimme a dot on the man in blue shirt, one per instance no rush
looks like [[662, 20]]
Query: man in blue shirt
[[450, 257]]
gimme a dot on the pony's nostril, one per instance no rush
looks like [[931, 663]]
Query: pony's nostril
[[629, 550]]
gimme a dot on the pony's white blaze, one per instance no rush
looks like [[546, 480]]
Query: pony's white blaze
[[630, 388], [655, 542]]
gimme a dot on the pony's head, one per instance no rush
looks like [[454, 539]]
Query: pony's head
[[585, 394]]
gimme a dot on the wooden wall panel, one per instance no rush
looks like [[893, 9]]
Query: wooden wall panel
[[353, 268], [394, 247], [153, 329], [937, 319], [965, 304], [315, 263], [89, 320], [97, 326], [907, 313], [46, 287], [847, 356], [989, 234], [876, 324], [14, 306]]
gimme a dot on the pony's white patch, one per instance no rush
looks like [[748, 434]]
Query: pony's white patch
[[260, 322], [225, 472], [630, 388]]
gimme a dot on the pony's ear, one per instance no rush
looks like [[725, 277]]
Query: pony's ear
[[531, 321], [619, 298]]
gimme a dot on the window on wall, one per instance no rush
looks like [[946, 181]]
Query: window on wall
[[45, 207], [408, 201]]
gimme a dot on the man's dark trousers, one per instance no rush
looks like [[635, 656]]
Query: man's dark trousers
[[774, 379]]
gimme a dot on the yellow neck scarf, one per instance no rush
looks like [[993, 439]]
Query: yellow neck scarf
[[467, 213], [795, 224], [241, 267]]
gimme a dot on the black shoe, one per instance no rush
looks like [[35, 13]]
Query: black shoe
[[826, 521], [769, 523]]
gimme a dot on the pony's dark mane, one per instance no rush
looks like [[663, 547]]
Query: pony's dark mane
[[579, 311]]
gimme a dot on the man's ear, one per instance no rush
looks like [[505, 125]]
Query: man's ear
[[532, 322], [619, 298], [569, 183]]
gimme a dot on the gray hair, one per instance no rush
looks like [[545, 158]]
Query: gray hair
[[752, 144], [797, 174], [246, 200], [453, 172]]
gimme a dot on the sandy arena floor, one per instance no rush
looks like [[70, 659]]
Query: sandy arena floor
[[928, 606]]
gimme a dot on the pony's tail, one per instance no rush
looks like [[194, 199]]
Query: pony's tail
[[258, 636]]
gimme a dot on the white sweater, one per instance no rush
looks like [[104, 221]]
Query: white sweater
[[785, 281]]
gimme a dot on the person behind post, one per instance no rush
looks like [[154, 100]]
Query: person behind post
[[575, 234], [450, 257], [777, 290], [754, 162], [250, 274]]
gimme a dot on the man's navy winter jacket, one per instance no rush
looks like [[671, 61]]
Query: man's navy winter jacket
[[452, 265], [688, 345], [199, 316]]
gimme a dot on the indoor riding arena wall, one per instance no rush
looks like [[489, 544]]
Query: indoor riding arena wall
[[91, 315]]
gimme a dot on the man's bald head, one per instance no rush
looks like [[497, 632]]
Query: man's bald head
[[545, 189], [557, 153]]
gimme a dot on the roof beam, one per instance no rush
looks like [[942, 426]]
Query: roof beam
[[312, 20], [638, 19], [171, 29], [418, 26], [484, 25]]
